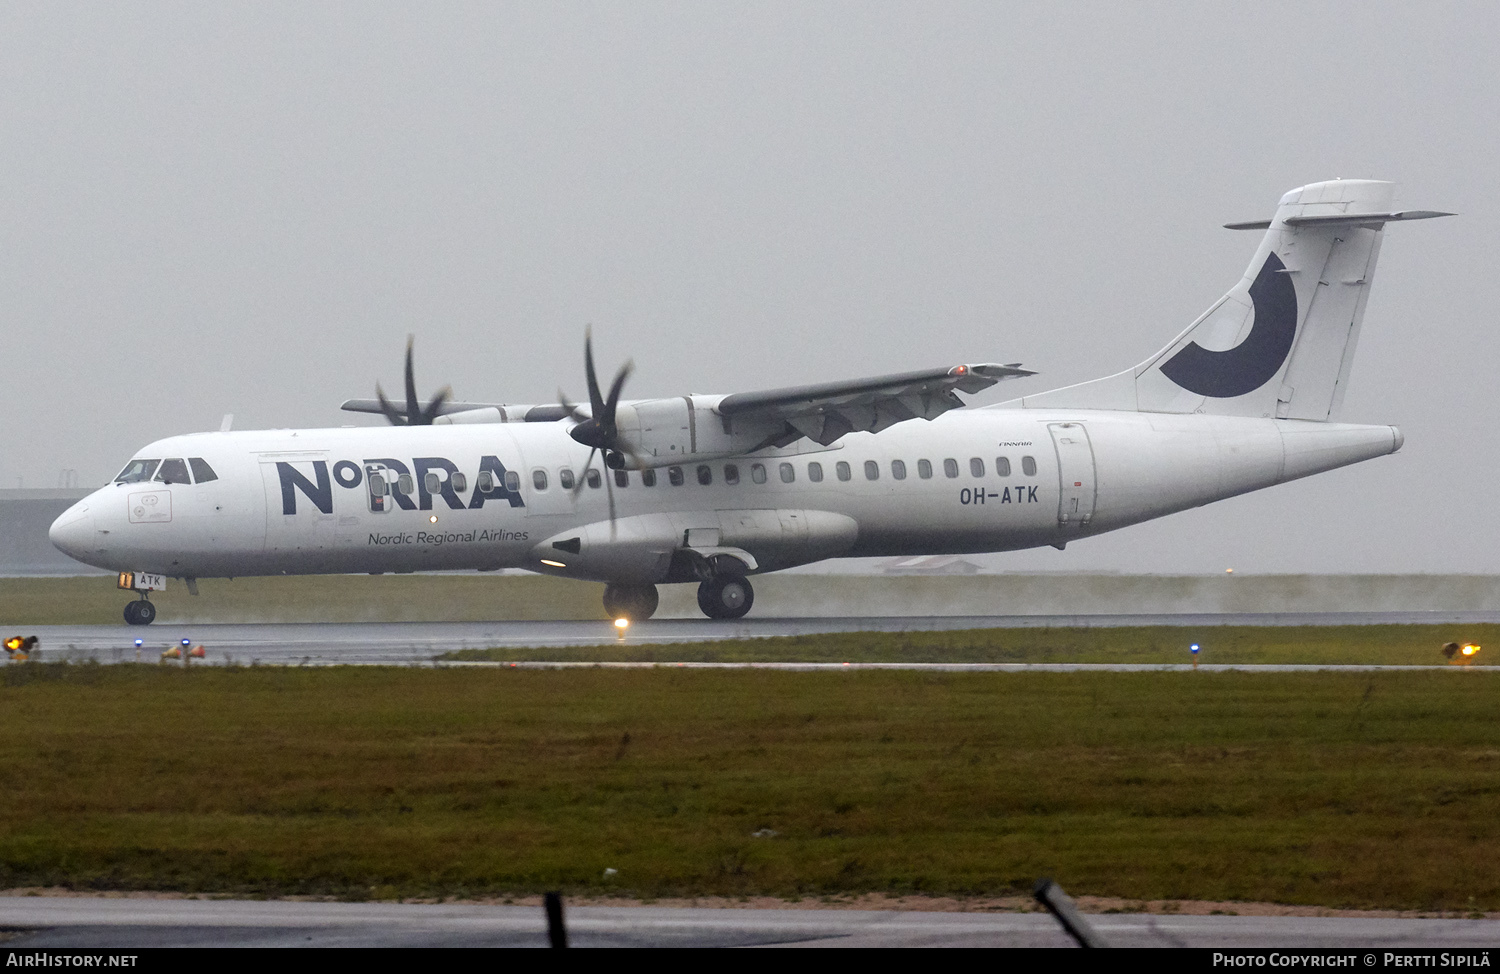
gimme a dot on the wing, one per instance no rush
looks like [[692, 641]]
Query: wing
[[507, 413], [826, 411]]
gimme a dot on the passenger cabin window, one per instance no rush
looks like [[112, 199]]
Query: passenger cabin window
[[842, 469], [622, 478], [512, 481], [457, 481], [137, 471], [872, 470], [674, 476], [202, 472], [406, 485], [593, 479], [950, 468], [538, 479], [485, 482], [976, 466], [924, 469], [648, 478], [1028, 466], [815, 472], [1002, 466], [788, 473], [564, 479], [758, 472], [434, 485], [705, 474], [173, 471], [898, 469], [731, 474]]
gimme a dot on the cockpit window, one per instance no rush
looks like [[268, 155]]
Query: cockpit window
[[173, 471], [202, 472], [137, 471]]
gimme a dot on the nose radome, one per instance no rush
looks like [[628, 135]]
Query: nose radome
[[73, 531]]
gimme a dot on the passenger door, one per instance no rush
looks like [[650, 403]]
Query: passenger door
[[1075, 472]]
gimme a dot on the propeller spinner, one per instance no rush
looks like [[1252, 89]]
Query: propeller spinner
[[416, 414]]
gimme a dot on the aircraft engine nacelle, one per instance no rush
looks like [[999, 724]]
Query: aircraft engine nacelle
[[686, 429]]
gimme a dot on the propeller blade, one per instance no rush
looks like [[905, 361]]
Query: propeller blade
[[583, 478], [573, 411], [609, 490], [396, 419], [413, 411], [613, 402], [434, 408], [596, 401]]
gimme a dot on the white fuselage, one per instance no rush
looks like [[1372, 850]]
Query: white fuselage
[[299, 502]]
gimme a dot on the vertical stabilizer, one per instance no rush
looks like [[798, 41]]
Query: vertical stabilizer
[[1280, 343]]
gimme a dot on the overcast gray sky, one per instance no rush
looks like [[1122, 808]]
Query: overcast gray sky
[[245, 208]]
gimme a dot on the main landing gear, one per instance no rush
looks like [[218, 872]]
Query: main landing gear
[[140, 612], [725, 596], [633, 602]]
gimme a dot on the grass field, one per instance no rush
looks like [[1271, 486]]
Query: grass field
[[1401, 645], [1339, 789]]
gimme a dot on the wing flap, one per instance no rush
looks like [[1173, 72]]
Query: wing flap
[[825, 411]]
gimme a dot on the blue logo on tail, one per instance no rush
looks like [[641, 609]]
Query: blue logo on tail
[[1253, 362]]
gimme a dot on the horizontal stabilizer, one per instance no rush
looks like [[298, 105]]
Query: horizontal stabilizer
[[1341, 219]]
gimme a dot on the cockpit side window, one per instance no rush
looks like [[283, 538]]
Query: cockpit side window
[[173, 471], [137, 471], [202, 472]]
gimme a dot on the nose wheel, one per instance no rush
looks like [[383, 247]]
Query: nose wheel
[[140, 613], [726, 596]]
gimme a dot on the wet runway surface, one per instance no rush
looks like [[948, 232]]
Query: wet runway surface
[[418, 642], [125, 923]]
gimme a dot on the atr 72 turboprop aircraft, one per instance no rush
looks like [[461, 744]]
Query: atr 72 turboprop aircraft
[[715, 489]]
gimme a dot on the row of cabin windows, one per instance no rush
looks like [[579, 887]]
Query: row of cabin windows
[[173, 470], [404, 483], [758, 473]]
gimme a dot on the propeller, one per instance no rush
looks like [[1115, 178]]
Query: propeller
[[598, 429], [416, 414]]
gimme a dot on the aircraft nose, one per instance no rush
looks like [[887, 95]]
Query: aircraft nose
[[73, 531]]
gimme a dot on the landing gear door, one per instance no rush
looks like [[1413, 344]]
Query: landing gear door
[[1075, 471]]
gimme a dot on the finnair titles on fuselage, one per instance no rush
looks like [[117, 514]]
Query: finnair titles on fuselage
[[715, 489]]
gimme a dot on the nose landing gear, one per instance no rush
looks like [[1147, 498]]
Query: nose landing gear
[[140, 612]]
